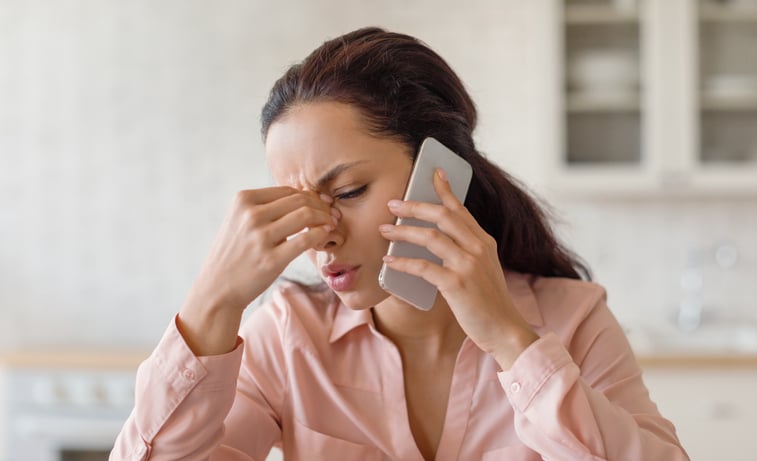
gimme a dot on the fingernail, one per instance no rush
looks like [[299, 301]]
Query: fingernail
[[326, 198], [328, 227], [336, 213], [385, 228], [442, 174], [335, 220], [395, 203], [388, 259]]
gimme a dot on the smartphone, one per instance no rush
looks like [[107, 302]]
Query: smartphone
[[420, 188]]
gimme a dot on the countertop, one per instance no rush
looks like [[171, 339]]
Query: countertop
[[130, 359], [73, 358], [715, 360]]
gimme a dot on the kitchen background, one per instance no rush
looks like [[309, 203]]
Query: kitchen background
[[127, 127]]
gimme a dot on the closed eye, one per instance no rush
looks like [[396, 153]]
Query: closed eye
[[354, 193]]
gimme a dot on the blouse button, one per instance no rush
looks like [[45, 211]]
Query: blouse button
[[188, 374], [515, 387]]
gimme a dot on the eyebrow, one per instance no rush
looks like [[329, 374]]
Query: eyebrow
[[330, 175]]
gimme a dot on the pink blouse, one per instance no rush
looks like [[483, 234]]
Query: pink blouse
[[316, 379]]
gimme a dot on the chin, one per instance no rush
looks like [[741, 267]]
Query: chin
[[363, 299]]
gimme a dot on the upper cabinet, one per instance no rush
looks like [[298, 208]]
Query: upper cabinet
[[658, 97]]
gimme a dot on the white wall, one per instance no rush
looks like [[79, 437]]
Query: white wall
[[640, 249], [126, 127]]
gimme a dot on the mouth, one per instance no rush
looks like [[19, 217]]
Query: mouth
[[340, 277]]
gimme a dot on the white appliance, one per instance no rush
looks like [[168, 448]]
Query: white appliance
[[64, 414]]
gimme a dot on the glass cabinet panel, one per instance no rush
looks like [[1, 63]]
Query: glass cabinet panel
[[602, 83], [728, 82]]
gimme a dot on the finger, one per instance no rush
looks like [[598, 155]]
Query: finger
[[293, 247], [299, 219], [270, 194], [444, 191], [452, 217], [265, 195], [449, 222], [283, 206], [428, 271], [449, 199], [434, 240]]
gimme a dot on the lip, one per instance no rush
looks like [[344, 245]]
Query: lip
[[340, 277]]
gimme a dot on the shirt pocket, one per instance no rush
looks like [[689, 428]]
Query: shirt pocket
[[512, 453], [312, 445]]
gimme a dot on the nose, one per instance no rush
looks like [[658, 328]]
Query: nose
[[326, 245], [334, 238]]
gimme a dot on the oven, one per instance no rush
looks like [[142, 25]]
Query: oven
[[59, 408], [64, 414]]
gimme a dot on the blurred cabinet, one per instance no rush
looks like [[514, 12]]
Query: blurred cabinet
[[713, 409], [658, 96]]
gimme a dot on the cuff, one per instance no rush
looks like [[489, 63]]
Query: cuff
[[532, 369], [179, 362], [173, 371]]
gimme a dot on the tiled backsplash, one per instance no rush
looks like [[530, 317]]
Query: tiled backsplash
[[126, 128], [646, 251]]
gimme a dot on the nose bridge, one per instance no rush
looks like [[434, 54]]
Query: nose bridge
[[305, 179], [298, 180]]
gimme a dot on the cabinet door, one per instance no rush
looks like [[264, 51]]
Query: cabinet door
[[726, 38], [658, 97], [714, 410], [604, 115]]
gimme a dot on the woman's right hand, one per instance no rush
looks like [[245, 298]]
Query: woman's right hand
[[264, 231]]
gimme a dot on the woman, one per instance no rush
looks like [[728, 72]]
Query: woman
[[519, 358]]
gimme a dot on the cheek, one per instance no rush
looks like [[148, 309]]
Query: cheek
[[360, 229], [375, 213]]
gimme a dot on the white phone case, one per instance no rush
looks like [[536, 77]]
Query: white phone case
[[420, 188]]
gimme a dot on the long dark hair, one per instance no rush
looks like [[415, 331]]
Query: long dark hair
[[406, 91]]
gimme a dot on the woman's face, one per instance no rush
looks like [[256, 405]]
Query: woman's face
[[325, 147]]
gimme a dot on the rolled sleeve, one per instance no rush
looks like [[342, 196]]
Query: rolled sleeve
[[168, 377], [532, 369], [560, 416], [177, 394]]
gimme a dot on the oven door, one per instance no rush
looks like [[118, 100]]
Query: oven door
[[58, 438]]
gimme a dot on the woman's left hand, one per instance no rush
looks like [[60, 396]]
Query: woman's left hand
[[470, 278]]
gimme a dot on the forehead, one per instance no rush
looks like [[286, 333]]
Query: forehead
[[313, 138]]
